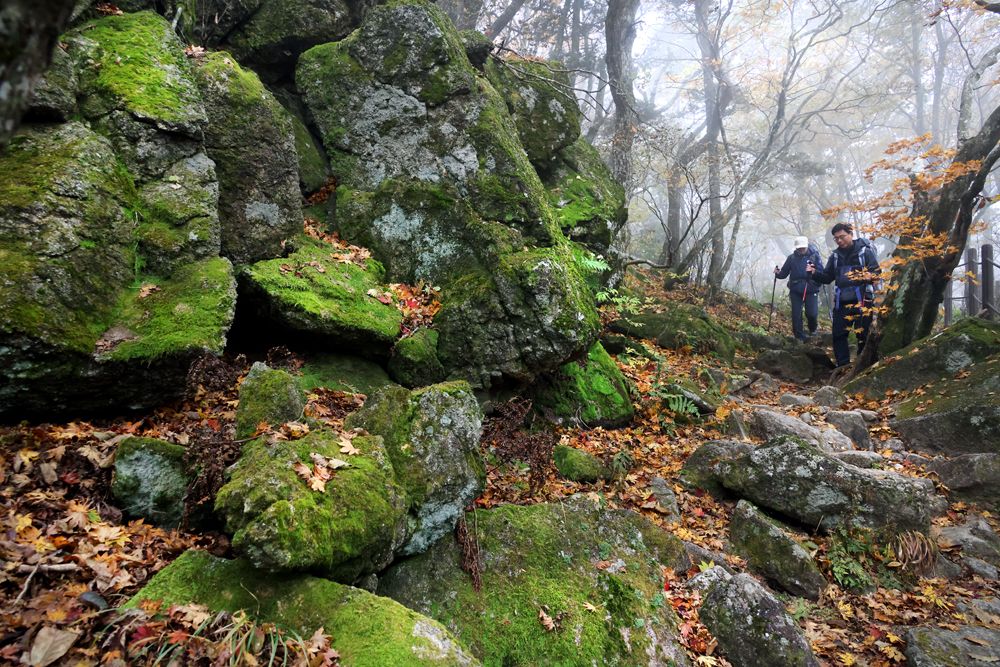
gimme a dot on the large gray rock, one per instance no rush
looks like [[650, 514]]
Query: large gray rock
[[975, 538], [560, 559], [769, 424], [813, 488], [829, 396], [956, 415], [973, 477], [369, 631], [249, 136], [151, 480], [751, 625], [771, 552], [959, 347], [852, 424], [434, 180], [937, 647], [791, 364], [432, 438]]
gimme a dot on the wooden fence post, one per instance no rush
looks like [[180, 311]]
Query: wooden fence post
[[971, 277], [989, 296]]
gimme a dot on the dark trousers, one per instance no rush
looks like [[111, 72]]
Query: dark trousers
[[811, 303], [849, 317]]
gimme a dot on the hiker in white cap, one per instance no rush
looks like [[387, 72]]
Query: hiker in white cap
[[802, 289]]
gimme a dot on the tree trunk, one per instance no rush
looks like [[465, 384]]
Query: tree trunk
[[620, 34], [28, 32], [912, 308]]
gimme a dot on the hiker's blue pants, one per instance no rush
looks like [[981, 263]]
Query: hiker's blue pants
[[847, 318], [811, 303]]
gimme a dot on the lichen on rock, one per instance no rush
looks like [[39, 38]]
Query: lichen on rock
[[150, 480], [431, 435]]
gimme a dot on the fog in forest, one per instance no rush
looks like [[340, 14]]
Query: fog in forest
[[740, 125]]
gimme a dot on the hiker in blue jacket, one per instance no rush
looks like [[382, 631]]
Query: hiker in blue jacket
[[852, 268], [802, 290]]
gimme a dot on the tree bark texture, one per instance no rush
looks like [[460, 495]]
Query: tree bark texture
[[28, 32], [620, 34]]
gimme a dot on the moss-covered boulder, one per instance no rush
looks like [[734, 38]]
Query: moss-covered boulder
[[588, 202], [367, 630], [279, 30], [74, 302], [342, 372], [770, 551], [138, 86], [346, 528], [540, 98], [930, 646], [958, 348], [54, 94], [432, 438], [678, 326], [433, 178], [268, 395], [313, 294], [414, 361], [559, 562], [592, 391], [250, 137], [751, 625], [314, 170], [579, 466], [956, 415], [815, 489], [150, 480]]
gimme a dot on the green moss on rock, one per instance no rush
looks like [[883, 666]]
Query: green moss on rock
[[680, 325], [267, 395], [589, 204], [957, 348], [187, 314], [579, 466], [432, 438], [592, 390], [340, 372], [414, 361], [313, 293], [140, 66], [544, 557], [349, 529], [367, 630], [540, 99]]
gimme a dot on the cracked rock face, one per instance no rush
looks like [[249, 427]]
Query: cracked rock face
[[434, 179]]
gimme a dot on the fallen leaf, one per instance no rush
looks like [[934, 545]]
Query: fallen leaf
[[546, 620], [50, 644]]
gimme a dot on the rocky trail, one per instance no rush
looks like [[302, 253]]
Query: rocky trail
[[876, 561]]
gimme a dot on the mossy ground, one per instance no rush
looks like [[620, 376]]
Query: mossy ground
[[367, 630]]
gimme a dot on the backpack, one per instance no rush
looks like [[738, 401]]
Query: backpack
[[853, 291]]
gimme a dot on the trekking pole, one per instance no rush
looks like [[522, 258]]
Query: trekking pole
[[774, 286]]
